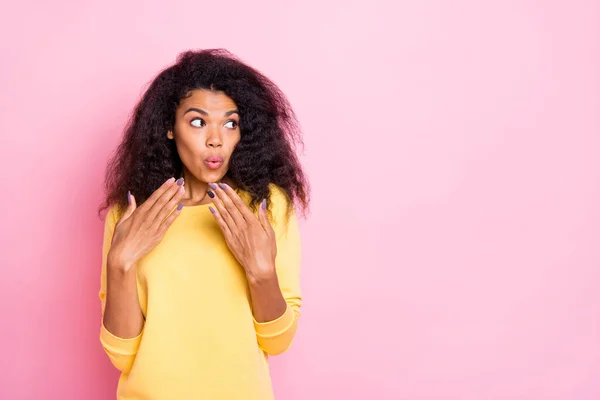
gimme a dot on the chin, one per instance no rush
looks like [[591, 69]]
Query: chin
[[209, 176]]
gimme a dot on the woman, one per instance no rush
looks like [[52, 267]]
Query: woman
[[201, 259]]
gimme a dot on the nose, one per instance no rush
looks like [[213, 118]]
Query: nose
[[213, 138]]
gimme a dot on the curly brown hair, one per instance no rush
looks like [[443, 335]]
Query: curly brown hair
[[269, 130]]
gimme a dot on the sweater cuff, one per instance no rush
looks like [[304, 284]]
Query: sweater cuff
[[277, 326], [117, 345]]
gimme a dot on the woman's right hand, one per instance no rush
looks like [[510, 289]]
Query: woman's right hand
[[141, 229]]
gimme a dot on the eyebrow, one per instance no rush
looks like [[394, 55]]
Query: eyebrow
[[201, 111]]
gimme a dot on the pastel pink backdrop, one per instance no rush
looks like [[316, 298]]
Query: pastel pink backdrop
[[453, 247]]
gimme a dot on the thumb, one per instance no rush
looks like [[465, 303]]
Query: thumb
[[130, 207]]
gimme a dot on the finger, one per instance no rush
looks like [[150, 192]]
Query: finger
[[221, 222], [223, 213], [236, 215], [161, 202], [237, 201], [168, 208], [170, 219], [156, 195], [131, 206], [263, 217]]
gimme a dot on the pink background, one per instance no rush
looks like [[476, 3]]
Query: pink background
[[452, 251]]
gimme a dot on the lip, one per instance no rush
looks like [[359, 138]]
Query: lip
[[214, 162]]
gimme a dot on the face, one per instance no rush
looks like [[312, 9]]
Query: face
[[206, 132]]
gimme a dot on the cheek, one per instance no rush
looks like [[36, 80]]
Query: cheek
[[187, 146], [232, 142]]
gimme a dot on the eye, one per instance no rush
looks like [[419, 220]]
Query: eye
[[197, 122], [231, 124]]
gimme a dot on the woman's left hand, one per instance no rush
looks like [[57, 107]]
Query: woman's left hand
[[250, 239]]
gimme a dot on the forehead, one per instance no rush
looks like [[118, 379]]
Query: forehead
[[208, 100]]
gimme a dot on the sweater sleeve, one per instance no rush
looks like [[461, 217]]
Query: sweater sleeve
[[275, 337], [121, 352]]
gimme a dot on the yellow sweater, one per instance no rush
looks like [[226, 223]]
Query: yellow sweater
[[200, 340]]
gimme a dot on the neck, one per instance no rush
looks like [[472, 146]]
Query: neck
[[195, 189]]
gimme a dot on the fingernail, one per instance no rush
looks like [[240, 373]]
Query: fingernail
[[212, 186], [210, 194], [179, 181], [128, 197], [170, 180], [212, 210], [180, 206], [223, 186], [264, 204]]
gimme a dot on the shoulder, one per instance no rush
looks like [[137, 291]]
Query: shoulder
[[282, 213], [112, 216], [281, 207], [278, 196]]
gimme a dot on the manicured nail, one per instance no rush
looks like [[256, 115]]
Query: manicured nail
[[170, 180], [128, 197], [180, 206], [212, 210], [263, 205], [179, 181], [210, 194], [222, 186], [212, 186]]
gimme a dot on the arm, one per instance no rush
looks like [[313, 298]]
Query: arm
[[277, 300], [126, 240], [122, 313], [268, 247], [122, 319]]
